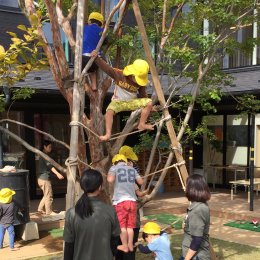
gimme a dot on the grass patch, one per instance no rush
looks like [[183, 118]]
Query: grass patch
[[174, 221], [244, 225], [57, 232]]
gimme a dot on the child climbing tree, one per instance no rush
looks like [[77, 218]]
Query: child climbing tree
[[175, 32]]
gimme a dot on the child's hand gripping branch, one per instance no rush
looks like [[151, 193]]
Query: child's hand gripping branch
[[158, 242], [129, 93]]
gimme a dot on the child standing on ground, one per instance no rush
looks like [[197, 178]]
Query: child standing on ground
[[128, 82], [158, 242], [124, 198], [7, 216], [91, 36]]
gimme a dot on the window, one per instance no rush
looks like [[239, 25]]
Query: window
[[238, 58]]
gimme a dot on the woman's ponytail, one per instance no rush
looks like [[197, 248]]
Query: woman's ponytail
[[84, 207], [90, 181]]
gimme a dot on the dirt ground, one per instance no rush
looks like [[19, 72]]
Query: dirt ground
[[46, 245]]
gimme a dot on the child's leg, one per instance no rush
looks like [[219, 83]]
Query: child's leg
[[130, 238], [123, 237], [2, 234], [131, 224], [93, 78], [144, 115], [48, 194], [10, 230], [109, 122], [42, 202]]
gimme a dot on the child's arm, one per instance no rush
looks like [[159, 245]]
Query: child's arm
[[59, 176], [103, 65], [110, 178], [144, 249], [139, 181], [141, 193], [142, 92]]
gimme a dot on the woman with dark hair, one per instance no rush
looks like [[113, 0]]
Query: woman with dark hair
[[91, 225], [46, 170], [195, 244]]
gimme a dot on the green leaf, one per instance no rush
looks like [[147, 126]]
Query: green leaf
[[22, 27]]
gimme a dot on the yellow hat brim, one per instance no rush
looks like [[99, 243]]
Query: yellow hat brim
[[140, 80]]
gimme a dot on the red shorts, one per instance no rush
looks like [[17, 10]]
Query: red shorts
[[126, 214]]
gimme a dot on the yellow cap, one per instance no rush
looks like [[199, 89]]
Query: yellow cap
[[6, 195], [128, 152], [119, 157], [97, 16], [139, 69], [152, 228]]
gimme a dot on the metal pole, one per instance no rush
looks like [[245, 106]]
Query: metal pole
[[252, 168]]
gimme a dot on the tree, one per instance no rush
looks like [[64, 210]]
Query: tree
[[191, 60]]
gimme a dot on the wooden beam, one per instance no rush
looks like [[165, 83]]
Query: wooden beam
[[159, 91], [75, 114], [102, 7]]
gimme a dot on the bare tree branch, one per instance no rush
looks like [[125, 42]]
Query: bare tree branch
[[65, 22], [164, 16], [33, 149], [57, 43], [51, 137]]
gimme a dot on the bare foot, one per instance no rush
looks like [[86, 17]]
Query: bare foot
[[131, 247], [123, 248], [145, 127], [104, 137]]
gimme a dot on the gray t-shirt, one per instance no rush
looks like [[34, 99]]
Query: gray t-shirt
[[91, 236], [124, 188], [6, 214], [197, 223]]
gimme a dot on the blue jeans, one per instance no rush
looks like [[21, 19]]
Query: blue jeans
[[10, 230]]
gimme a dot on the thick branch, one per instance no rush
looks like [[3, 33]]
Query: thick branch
[[152, 154], [201, 74], [33, 149], [165, 37], [65, 22], [51, 137], [122, 13], [58, 48], [164, 16]]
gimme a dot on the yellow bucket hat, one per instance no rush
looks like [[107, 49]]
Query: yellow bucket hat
[[152, 228], [139, 69], [97, 16], [128, 152], [119, 157], [6, 195]]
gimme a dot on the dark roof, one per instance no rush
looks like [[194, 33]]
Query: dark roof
[[10, 18], [41, 80], [244, 81]]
